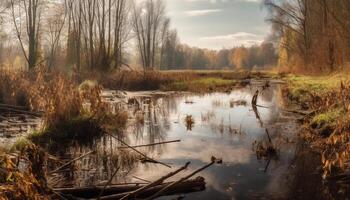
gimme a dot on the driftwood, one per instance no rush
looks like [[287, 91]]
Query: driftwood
[[179, 182], [119, 191], [135, 193], [70, 162], [139, 152], [153, 144]]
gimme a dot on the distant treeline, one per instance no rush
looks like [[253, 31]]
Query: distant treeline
[[107, 34], [307, 35], [313, 35], [182, 56]]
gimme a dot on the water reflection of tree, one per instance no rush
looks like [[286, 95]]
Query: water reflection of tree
[[100, 166], [156, 117]]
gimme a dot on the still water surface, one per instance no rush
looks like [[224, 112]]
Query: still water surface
[[222, 128]]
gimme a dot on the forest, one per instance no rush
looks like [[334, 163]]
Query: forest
[[103, 35], [114, 99]]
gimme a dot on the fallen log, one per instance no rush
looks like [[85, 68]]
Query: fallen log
[[164, 190], [118, 191], [135, 193]]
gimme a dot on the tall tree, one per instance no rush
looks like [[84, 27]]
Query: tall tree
[[148, 18], [31, 11]]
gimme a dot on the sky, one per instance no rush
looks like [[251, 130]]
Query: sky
[[217, 24]]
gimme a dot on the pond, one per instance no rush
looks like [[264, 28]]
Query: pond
[[223, 125]]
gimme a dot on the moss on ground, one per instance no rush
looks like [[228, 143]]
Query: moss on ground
[[328, 117]]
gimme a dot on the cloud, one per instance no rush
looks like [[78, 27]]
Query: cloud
[[195, 13], [230, 40]]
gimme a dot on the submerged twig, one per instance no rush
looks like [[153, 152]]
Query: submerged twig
[[153, 144], [70, 162], [268, 135], [108, 183]]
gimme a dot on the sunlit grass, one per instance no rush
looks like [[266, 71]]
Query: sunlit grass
[[328, 117], [301, 85]]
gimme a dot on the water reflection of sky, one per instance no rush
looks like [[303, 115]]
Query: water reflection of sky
[[241, 176]]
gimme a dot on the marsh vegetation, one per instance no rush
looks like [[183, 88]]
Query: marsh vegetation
[[99, 99]]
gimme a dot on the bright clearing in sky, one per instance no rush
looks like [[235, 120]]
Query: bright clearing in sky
[[216, 24]]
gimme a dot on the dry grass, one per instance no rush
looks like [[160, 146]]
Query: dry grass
[[61, 100], [54, 94], [16, 184], [328, 128], [187, 80]]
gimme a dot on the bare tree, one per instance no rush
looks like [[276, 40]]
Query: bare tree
[[31, 11], [148, 18], [292, 16], [55, 23], [97, 32]]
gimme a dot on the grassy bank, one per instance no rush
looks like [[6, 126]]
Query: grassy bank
[[327, 128], [187, 80]]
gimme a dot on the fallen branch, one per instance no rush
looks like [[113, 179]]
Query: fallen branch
[[141, 179], [153, 144], [255, 98], [298, 112], [36, 114], [11, 106], [142, 154], [70, 162], [164, 190], [154, 183], [261, 106], [119, 191]]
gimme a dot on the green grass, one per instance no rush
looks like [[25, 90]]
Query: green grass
[[328, 117], [300, 86]]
